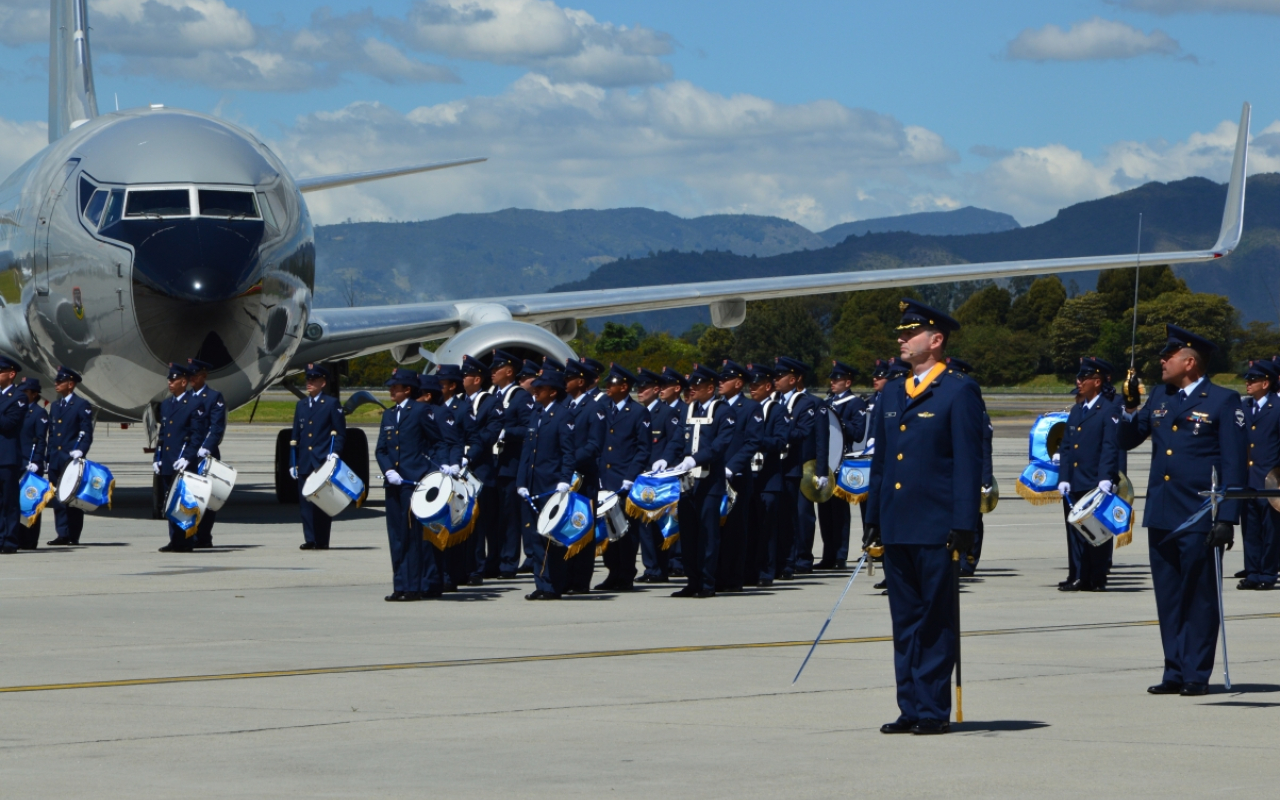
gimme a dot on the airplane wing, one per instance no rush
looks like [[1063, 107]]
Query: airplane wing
[[334, 333], [348, 178]]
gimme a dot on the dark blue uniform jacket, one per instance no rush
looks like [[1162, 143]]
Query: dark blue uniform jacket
[[181, 429], [517, 407], [315, 422], [11, 414], [771, 416], [748, 429], [34, 436], [713, 445], [808, 433], [548, 450], [626, 443], [71, 428], [851, 410], [215, 412], [486, 422], [1264, 439], [416, 439], [1090, 449], [666, 426]]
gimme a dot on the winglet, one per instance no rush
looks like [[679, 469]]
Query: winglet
[[1233, 213], [349, 178]]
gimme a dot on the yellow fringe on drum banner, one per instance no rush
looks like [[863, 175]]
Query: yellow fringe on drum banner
[[667, 543], [575, 548], [600, 548], [643, 515], [35, 515], [440, 536], [111, 487], [363, 496], [1037, 498], [848, 497]]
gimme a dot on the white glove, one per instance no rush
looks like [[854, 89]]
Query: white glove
[[77, 454], [203, 452], [728, 473], [464, 463], [33, 467], [820, 482], [155, 467], [293, 473], [393, 477], [449, 469], [687, 464], [1057, 458], [1105, 486], [331, 457], [563, 487], [523, 492], [659, 465], [180, 465], [1065, 488], [626, 485]]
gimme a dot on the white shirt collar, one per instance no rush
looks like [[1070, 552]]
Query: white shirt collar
[[734, 399], [1190, 389], [1089, 404], [653, 404], [1262, 401], [618, 405]]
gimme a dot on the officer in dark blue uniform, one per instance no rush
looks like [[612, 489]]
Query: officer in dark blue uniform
[[482, 435], [923, 506], [70, 437], [1195, 428], [546, 466], [182, 425], [833, 515], [319, 433], [1260, 523], [11, 460], [744, 444], [763, 556], [412, 441], [462, 563], [806, 441], [1089, 459], [215, 414], [448, 409], [516, 406], [672, 390], [33, 442], [708, 432], [588, 426], [969, 560], [627, 444], [666, 440]]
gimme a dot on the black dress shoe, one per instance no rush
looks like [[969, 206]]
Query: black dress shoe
[[1064, 584], [899, 725], [787, 576], [322, 547], [1266, 587], [451, 587], [525, 569], [307, 546], [825, 564], [687, 591], [475, 580], [507, 576], [1073, 586], [765, 584], [652, 579], [176, 548], [881, 585], [8, 551], [842, 565], [431, 595], [1093, 587], [930, 727], [1244, 573], [577, 590], [707, 594], [804, 570], [538, 594], [395, 597], [1166, 687], [1248, 585], [1194, 690], [605, 586], [677, 573], [59, 541]]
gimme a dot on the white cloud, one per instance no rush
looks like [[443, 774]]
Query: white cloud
[[1094, 39], [23, 22], [19, 141], [1193, 6]]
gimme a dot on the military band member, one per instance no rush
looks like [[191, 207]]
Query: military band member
[[588, 431], [215, 414], [11, 414], [666, 439], [70, 437], [454, 565], [744, 443], [624, 456], [182, 427], [33, 442], [319, 433], [763, 556], [806, 441], [1195, 428], [486, 424], [969, 560], [461, 564], [413, 440], [1089, 459], [546, 466], [833, 515], [516, 406], [528, 371], [1260, 523], [708, 432], [671, 391], [923, 506]]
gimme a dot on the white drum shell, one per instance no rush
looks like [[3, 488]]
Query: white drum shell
[[1083, 520], [322, 493], [223, 478], [198, 486], [423, 508], [552, 513], [69, 484], [615, 519]]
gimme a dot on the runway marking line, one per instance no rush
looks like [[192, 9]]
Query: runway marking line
[[481, 662]]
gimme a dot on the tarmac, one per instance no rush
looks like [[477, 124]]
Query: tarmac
[[258, 670]]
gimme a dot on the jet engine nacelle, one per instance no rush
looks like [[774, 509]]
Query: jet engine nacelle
[[517, 338]]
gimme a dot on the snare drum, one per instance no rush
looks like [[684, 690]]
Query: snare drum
[[223, 477], [85, 485], [653, 495], [853, 479], [1100, 517], [446, 508], [332, 487], [568, 521], [188, 500], [609, 511]]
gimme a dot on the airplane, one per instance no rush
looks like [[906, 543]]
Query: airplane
[[151, 235]]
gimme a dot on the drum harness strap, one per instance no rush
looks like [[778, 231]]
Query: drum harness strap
[[757, 460], [698, 423]]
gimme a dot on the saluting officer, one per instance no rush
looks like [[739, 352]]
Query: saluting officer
[[744, 444], [588, 427], [546, 466], [806, 441], [922, 504], [768, 495], [627, 445], [319, 433], [215, 414], [833, 515], [1195, 427], [413, 441], [516, 407], [1089, 459], [70, 437], [33, 441], [666, 439], [708, 432], [486, 424], [969, 560], [182, 426], [1260, 523]]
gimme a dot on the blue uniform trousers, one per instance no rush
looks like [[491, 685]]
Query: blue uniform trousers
[[1187, 603], [505, 558], [806, 522], [788, 526], [922, 606], [969, 561], [767, 524], [482, 539], [29, 538], [580, 568], [700, 537], [550, 569], [1259, 531], [620, 556], [731, 571], [9, 524], [833, 521], [414, 565], [68, 521], [1089, 564], [655, 559], [315, 523]]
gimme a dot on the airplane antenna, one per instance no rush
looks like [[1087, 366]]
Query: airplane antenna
[[1137, 271], [117, 101]]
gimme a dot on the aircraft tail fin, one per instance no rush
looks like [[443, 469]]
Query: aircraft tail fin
[[72, 101], [1233, 213]]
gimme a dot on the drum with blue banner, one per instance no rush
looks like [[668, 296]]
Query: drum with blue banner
[[446, 509], [188, 500], [332, 487], [34, 493], [1038, 483], [670, 531], [853, 479], [86, 485], [568, 519], [1101, 517], [653, 495], [727, 502]]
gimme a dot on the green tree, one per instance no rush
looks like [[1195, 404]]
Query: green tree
[[1000, 357], [1209, 315], [1116, 287], [616, 337], [655, 352], [715, 345], [987, 306], [1035, 309], [1255, 340], [779, 328], [1075, 330], [867, 328]]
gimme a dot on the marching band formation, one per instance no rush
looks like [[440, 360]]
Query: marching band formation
[[722, 477]]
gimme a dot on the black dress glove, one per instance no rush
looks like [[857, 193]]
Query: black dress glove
[[961, 541], [1132, 391], [871, 537], [1222, 533]]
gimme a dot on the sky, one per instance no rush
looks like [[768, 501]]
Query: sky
[[818, 112]]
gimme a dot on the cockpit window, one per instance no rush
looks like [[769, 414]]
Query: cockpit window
[[158, 203], [114, 206], [97, 202], [224, 203]]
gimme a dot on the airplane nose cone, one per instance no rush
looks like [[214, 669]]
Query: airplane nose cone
[[199, 260]]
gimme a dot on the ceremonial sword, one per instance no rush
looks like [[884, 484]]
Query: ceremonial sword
[[814, 646]]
